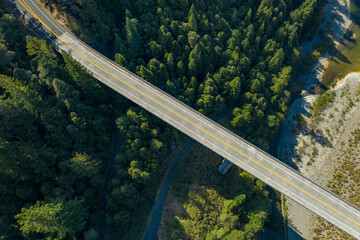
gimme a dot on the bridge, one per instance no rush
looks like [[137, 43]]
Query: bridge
[[230, 146]]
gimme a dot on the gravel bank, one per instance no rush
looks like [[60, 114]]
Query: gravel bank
[[314, 147], [301, 221]]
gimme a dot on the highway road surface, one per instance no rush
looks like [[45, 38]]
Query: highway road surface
[[230, 146]]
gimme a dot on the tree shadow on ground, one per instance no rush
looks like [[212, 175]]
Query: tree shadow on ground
[[336, 54], [348, 36], [355, 15], [320, 138]]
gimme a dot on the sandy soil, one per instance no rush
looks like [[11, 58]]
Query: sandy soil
[[292, 141], [339, 119]]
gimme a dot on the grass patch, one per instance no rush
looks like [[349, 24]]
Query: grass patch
[[300, 121], [322, 102]]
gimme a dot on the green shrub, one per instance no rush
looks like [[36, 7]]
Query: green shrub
[[322, 102]]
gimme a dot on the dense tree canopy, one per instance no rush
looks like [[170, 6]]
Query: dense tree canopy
[[55, 119], [210, 54], [54, 140]]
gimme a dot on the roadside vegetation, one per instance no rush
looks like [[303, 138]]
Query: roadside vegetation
[[210, 55]]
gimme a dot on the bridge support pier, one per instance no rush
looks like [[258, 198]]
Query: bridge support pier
[[224, 167]]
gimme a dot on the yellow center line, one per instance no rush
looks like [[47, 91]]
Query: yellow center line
[[276, 174]]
